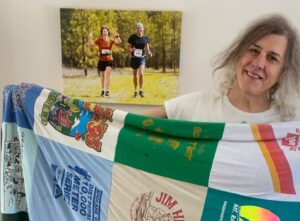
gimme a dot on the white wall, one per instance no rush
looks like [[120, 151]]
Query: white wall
[[30, 35]]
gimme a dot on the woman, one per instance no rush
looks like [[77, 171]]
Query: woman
[[137, 43], [260, 78], [105, 62]]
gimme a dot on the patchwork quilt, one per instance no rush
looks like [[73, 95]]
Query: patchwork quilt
[[67, 159]]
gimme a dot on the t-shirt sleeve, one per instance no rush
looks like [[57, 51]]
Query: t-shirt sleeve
[[173, 109], [97, 42], [182, 107], [112, 42], [130, 39]]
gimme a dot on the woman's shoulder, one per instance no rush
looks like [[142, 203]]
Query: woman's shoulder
[[201, 95], [100, 40], [194, 99], [192, 106]]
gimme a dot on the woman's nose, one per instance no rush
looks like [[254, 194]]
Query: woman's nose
[[259, 62]]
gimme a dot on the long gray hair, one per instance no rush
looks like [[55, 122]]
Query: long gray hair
[[281, 94]]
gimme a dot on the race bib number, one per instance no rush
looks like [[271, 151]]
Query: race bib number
[[138, 52], [105, 51]]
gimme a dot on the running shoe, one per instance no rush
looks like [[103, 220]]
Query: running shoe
[[141, 93], [106, 94], [135, 94]]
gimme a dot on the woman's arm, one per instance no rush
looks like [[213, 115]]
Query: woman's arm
[[156, 112], [91, 41], [118, 40]]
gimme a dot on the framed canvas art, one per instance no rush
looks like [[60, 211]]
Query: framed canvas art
[[120, 56]]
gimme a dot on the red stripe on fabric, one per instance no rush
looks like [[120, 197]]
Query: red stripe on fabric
[[282, 166]]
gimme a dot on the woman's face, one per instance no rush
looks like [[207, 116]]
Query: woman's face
[[261, 65], [104, 32]]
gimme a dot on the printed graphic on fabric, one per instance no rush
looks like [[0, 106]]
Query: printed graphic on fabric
[[81, 120], [19, 94], [76, 187], [164, 152], [291, 141], [224, 206], [152, 206], [277, 162], [248, 212], [13, 181], [196, 133], [174, 144]]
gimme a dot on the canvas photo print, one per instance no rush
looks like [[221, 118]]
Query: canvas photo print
[[120, 56]]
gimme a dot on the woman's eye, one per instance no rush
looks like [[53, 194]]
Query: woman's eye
[[273, 58], [254, 51]]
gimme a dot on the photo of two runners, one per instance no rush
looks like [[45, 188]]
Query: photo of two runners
[[120, 56]]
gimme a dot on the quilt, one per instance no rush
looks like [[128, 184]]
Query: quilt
[[67, 159]]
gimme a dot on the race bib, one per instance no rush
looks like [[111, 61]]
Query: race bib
[[138, 52], [105, 51]]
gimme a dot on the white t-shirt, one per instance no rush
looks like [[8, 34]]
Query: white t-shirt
[[209, 107]]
